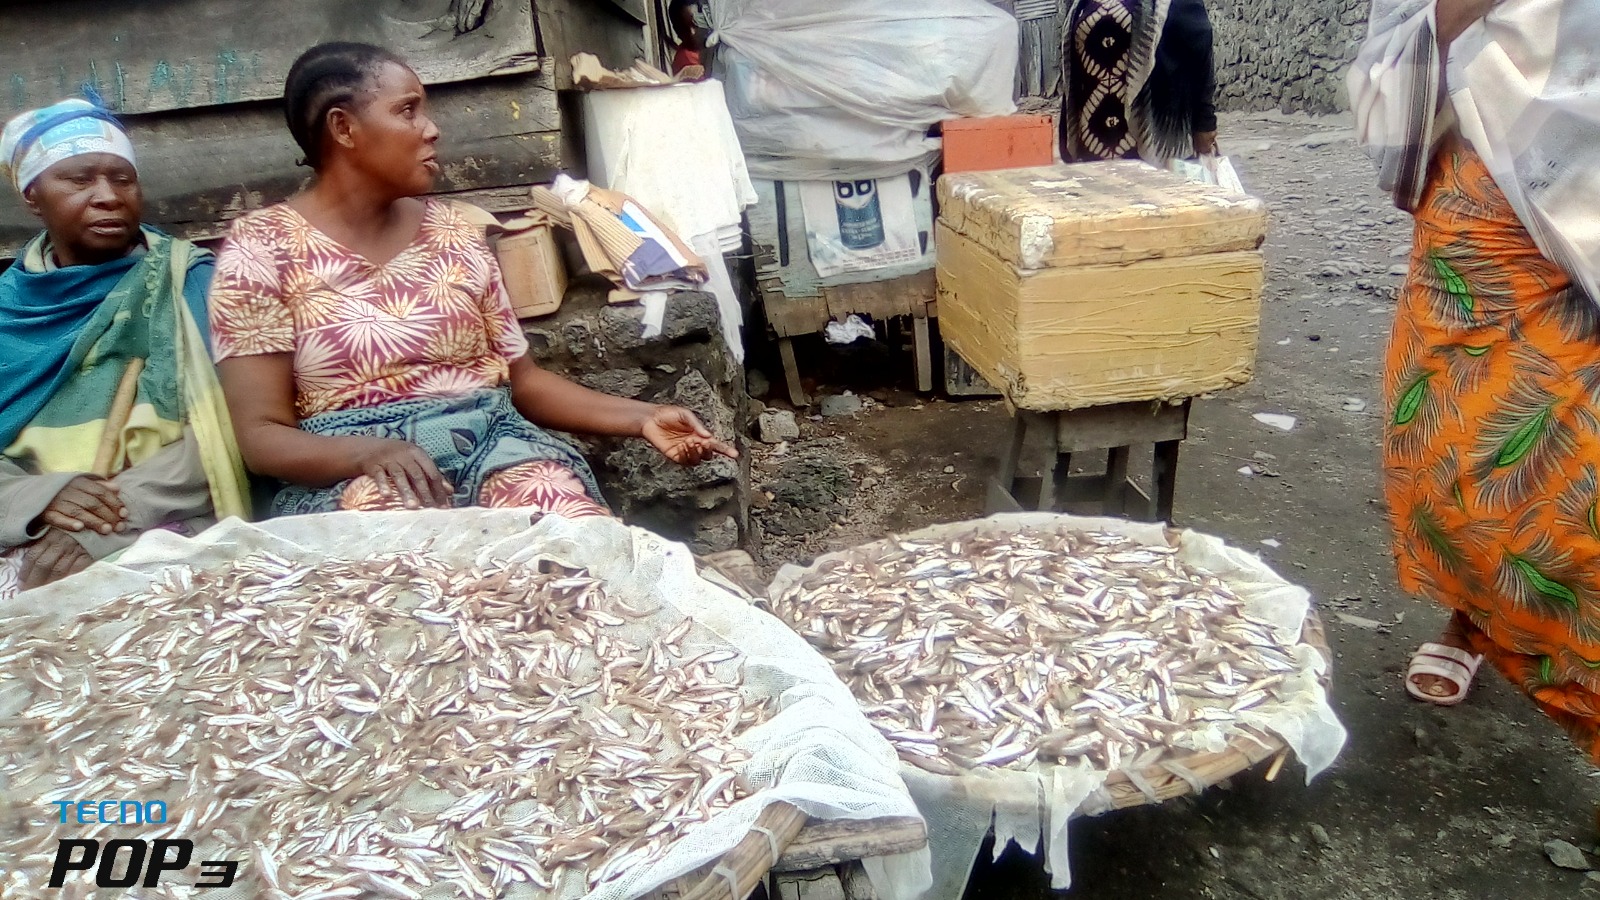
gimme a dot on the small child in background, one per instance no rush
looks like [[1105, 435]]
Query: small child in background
[[685, 16]]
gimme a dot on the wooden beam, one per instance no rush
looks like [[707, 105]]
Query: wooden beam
[[164, 55], [200, 170], [842, 840], [586, 26]]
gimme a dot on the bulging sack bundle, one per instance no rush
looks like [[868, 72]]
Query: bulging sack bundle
[[822, 90]]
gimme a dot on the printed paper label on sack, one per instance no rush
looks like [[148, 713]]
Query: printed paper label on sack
[[861, 225]]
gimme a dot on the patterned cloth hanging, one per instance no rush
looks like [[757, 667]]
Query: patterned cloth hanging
[[1101, 34]]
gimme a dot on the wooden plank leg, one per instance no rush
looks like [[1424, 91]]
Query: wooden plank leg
[[923, 346], [1166, 472], [1013, 455], [1056, 467], [1117, 481], [856, 884], [1002, 496], [815, 884], [791, 372]]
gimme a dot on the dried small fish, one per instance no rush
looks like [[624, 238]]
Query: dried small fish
[[514, 725], [1037, 646]]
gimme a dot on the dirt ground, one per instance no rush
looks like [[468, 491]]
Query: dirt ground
[[1424, 802]]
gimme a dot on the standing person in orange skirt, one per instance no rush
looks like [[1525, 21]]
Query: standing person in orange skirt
[[367, 348], [1492, 445]]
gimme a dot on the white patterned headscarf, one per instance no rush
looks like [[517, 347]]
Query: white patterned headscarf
[[34, 141], [1524, 90]]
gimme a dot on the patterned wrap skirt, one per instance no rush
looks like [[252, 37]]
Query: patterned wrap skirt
[[1491, 449], [488, 452]]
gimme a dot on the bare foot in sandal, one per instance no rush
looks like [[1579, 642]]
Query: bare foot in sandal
[[1442, 671]]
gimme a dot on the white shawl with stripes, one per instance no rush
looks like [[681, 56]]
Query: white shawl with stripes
[[1523, 88]]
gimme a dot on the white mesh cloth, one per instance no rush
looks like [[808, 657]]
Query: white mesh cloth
[[1033, 807], [818, 752]]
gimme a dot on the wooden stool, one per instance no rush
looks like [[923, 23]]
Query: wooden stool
[[1114, 429]]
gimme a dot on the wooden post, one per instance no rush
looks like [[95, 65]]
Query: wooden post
[[1166, 472], [923, 347], [1116, 480], [791, 372], [105, 457]]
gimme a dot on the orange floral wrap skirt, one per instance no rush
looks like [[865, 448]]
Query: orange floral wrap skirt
[[1492, 444]]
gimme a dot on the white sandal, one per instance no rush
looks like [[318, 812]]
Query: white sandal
[[1456, 666]]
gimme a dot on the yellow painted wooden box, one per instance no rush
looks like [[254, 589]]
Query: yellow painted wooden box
[[1099, 283]]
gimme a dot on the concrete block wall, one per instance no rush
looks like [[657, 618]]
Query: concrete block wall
[[1289, 55]]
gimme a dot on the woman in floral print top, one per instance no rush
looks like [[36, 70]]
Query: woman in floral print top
[[369, 355]]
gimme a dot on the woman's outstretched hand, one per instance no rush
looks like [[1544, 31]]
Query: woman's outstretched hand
[[402, 469], [680, 437]]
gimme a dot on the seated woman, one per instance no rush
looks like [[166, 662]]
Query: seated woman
[[111, 419], [367, 348]]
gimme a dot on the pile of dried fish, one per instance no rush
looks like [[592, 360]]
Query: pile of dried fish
[[369, 729], [1055, 646]]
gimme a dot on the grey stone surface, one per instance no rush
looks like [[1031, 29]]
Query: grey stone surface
[[759, 386], [841, 405], [1289, 55], [777, 425], [619, 382], [601, 347], [1566, 855], [648, 475], [687, 315], [715, 536], [808, 494]]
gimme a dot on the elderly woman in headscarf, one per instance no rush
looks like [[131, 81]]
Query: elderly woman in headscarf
[[1484, 120], [111, 418], [1138, 81]]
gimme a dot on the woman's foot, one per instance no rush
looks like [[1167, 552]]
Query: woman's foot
[[1442, 671]]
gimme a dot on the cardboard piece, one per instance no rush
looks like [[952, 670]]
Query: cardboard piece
[[601, 223], [590, 75], [531, 268], [530, 263]]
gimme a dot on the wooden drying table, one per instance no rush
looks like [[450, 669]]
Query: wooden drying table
[[908, 295], [822, 851], [1114, 429]]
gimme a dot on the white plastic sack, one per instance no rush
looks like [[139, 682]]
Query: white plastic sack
[[836, 89], [818, 752], [1033, 808], [860, 225], [1210, 169]]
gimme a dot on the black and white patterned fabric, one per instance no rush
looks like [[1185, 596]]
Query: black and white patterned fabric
[[1101, 36]]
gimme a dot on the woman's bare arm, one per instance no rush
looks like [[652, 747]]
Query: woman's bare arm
[[260, 393], [550, 401]]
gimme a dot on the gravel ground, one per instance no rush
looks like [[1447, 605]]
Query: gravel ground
[[1424, 802]]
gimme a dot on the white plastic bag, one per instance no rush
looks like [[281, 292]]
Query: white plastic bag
[[1210, 169], [840, 89]]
